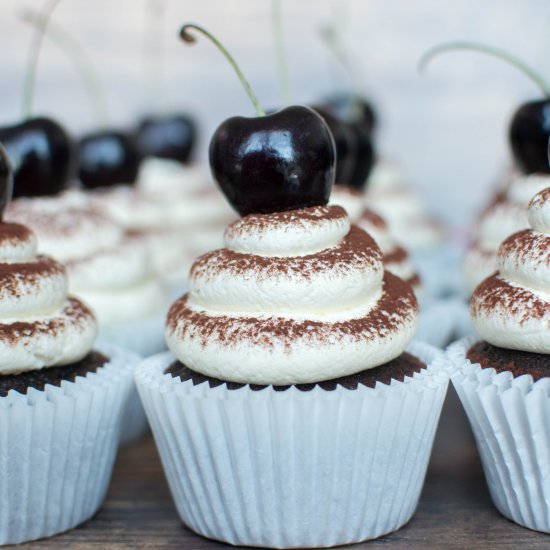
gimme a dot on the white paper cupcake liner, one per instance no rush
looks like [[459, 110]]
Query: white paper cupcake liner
[[510, 418], [57, 449], [142, 336], [294, 469]]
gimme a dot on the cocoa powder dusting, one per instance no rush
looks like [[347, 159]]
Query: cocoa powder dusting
[[356, 248], [497, 293], [397, 255], [374, 219], [260, 222], [397, 303], [527, 245], [13, 232], [75, 310]]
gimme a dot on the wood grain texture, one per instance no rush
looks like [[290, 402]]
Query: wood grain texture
[[455, 510]]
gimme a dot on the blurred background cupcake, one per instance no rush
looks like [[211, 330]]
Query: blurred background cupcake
[[503, 379]]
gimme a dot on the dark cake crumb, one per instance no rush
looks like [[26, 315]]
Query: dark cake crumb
[[510, 360], [404, 365], [52, 375]]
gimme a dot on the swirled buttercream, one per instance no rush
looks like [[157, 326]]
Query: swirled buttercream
[[294, 297], [107, 269], [511, 309], [39, 325], [505, 214]]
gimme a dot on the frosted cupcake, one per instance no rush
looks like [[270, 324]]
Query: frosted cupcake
[[287, 388], [109, 271], [504, 379], [60, 401]]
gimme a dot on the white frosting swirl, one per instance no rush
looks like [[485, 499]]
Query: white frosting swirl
[[396, 259], [302, 314], [505, 215], [39, 325], [108, 270], [408, 221], [511, 309]]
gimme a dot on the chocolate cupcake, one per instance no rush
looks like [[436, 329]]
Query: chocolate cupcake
[[288, 388], [504, 379], [107, 269], [60, 401]]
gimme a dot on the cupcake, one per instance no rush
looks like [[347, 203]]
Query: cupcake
[[503, 380], [287, 413], [109, 271], [60, 401]]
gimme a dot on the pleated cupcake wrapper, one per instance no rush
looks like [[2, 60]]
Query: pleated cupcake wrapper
[[142, 336], [57, 449], [510, 418], [294, 469]]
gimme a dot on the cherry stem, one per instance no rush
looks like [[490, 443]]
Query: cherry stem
[[152, 58], [34, 53], [84, 65], [190, 39], [533, 75], [277, 20]]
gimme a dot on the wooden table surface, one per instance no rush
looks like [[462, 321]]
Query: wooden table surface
[[455, 510]]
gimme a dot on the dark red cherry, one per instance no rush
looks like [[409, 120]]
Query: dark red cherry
[[282, 161], [364, 158], [170, 137], [353, 109], [41, 153], [107, 158], [345, 141], [529, 133], [6, 180]]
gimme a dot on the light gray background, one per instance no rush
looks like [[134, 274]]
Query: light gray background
[[447, 128]]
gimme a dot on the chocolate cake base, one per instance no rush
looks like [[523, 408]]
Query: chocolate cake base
[[404, 365], [38, 379], [509, 360]]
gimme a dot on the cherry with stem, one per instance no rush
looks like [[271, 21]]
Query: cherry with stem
[[529, 128], [270, 163]]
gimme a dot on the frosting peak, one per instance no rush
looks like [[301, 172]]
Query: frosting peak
[[39, 325], [297, 296], [511, 309]]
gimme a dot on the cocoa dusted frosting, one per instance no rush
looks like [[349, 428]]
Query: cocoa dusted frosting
[[511, 309], [39, 325], [295, 297]]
